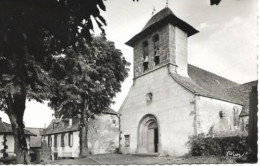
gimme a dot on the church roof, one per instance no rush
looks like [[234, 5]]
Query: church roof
[[242, 92], [208, 84], [162, 18]]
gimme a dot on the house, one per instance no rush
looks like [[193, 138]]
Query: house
[[62, 135], [35, 142], [171, 100], [7, 139]]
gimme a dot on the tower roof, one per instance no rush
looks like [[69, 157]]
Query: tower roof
[[162, 18]]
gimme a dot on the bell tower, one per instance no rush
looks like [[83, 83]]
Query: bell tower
[[163, 41]]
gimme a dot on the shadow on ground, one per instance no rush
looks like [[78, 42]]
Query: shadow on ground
[[114, 159]]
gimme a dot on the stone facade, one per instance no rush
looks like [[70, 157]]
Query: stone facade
[[103, 134]]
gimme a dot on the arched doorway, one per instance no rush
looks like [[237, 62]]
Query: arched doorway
[[148, 135]]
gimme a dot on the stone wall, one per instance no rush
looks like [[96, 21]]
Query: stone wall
[[208, 114], [164, 50], [103, 134], [172, 49]]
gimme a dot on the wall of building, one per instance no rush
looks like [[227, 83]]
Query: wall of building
[[103, 137], [181, 51], [10, 144], [171, 104], [208, 113], [66, 151], [103, 134]]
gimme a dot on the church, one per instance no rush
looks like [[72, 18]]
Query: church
[[171, 100]]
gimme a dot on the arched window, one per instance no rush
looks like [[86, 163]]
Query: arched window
[[145, 55], [156, 49]]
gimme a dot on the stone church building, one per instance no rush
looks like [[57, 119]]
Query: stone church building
[[170, 99]]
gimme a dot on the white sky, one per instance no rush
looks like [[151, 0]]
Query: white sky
[[226, 44]]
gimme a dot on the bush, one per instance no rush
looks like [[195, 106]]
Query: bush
[[218, 146]]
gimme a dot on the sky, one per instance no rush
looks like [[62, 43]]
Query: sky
[[226, 44]]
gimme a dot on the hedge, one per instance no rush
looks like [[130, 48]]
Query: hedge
[[218, 146]]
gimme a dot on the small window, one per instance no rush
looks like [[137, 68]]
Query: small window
[[55, 140], [49, 141], [62, 140], [70, 139], [127, 140]]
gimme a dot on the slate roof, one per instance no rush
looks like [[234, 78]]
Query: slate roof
[[7, 128], [208, 84], [63, 126], [35, 141], [110, 111], [162, 18]]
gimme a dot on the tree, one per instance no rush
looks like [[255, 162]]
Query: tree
[[87, 81], [31, 32]]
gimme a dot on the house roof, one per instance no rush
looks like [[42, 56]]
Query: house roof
[[110, 111], [62, 125], [7, 128], [162, 18], [35, 141], [208, 84]]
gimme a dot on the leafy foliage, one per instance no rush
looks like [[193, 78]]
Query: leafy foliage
[[218, 146], [94, 73], [31, 33]]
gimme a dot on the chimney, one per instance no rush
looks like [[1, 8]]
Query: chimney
[[70, 121]]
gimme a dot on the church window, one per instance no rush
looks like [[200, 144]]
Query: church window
[[145, 55], [156, 50], [127, 140]]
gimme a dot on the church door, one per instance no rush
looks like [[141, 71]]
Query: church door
[[148, 138]]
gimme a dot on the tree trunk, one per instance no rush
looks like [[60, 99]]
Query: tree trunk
[[84, 131], [16, 108]]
